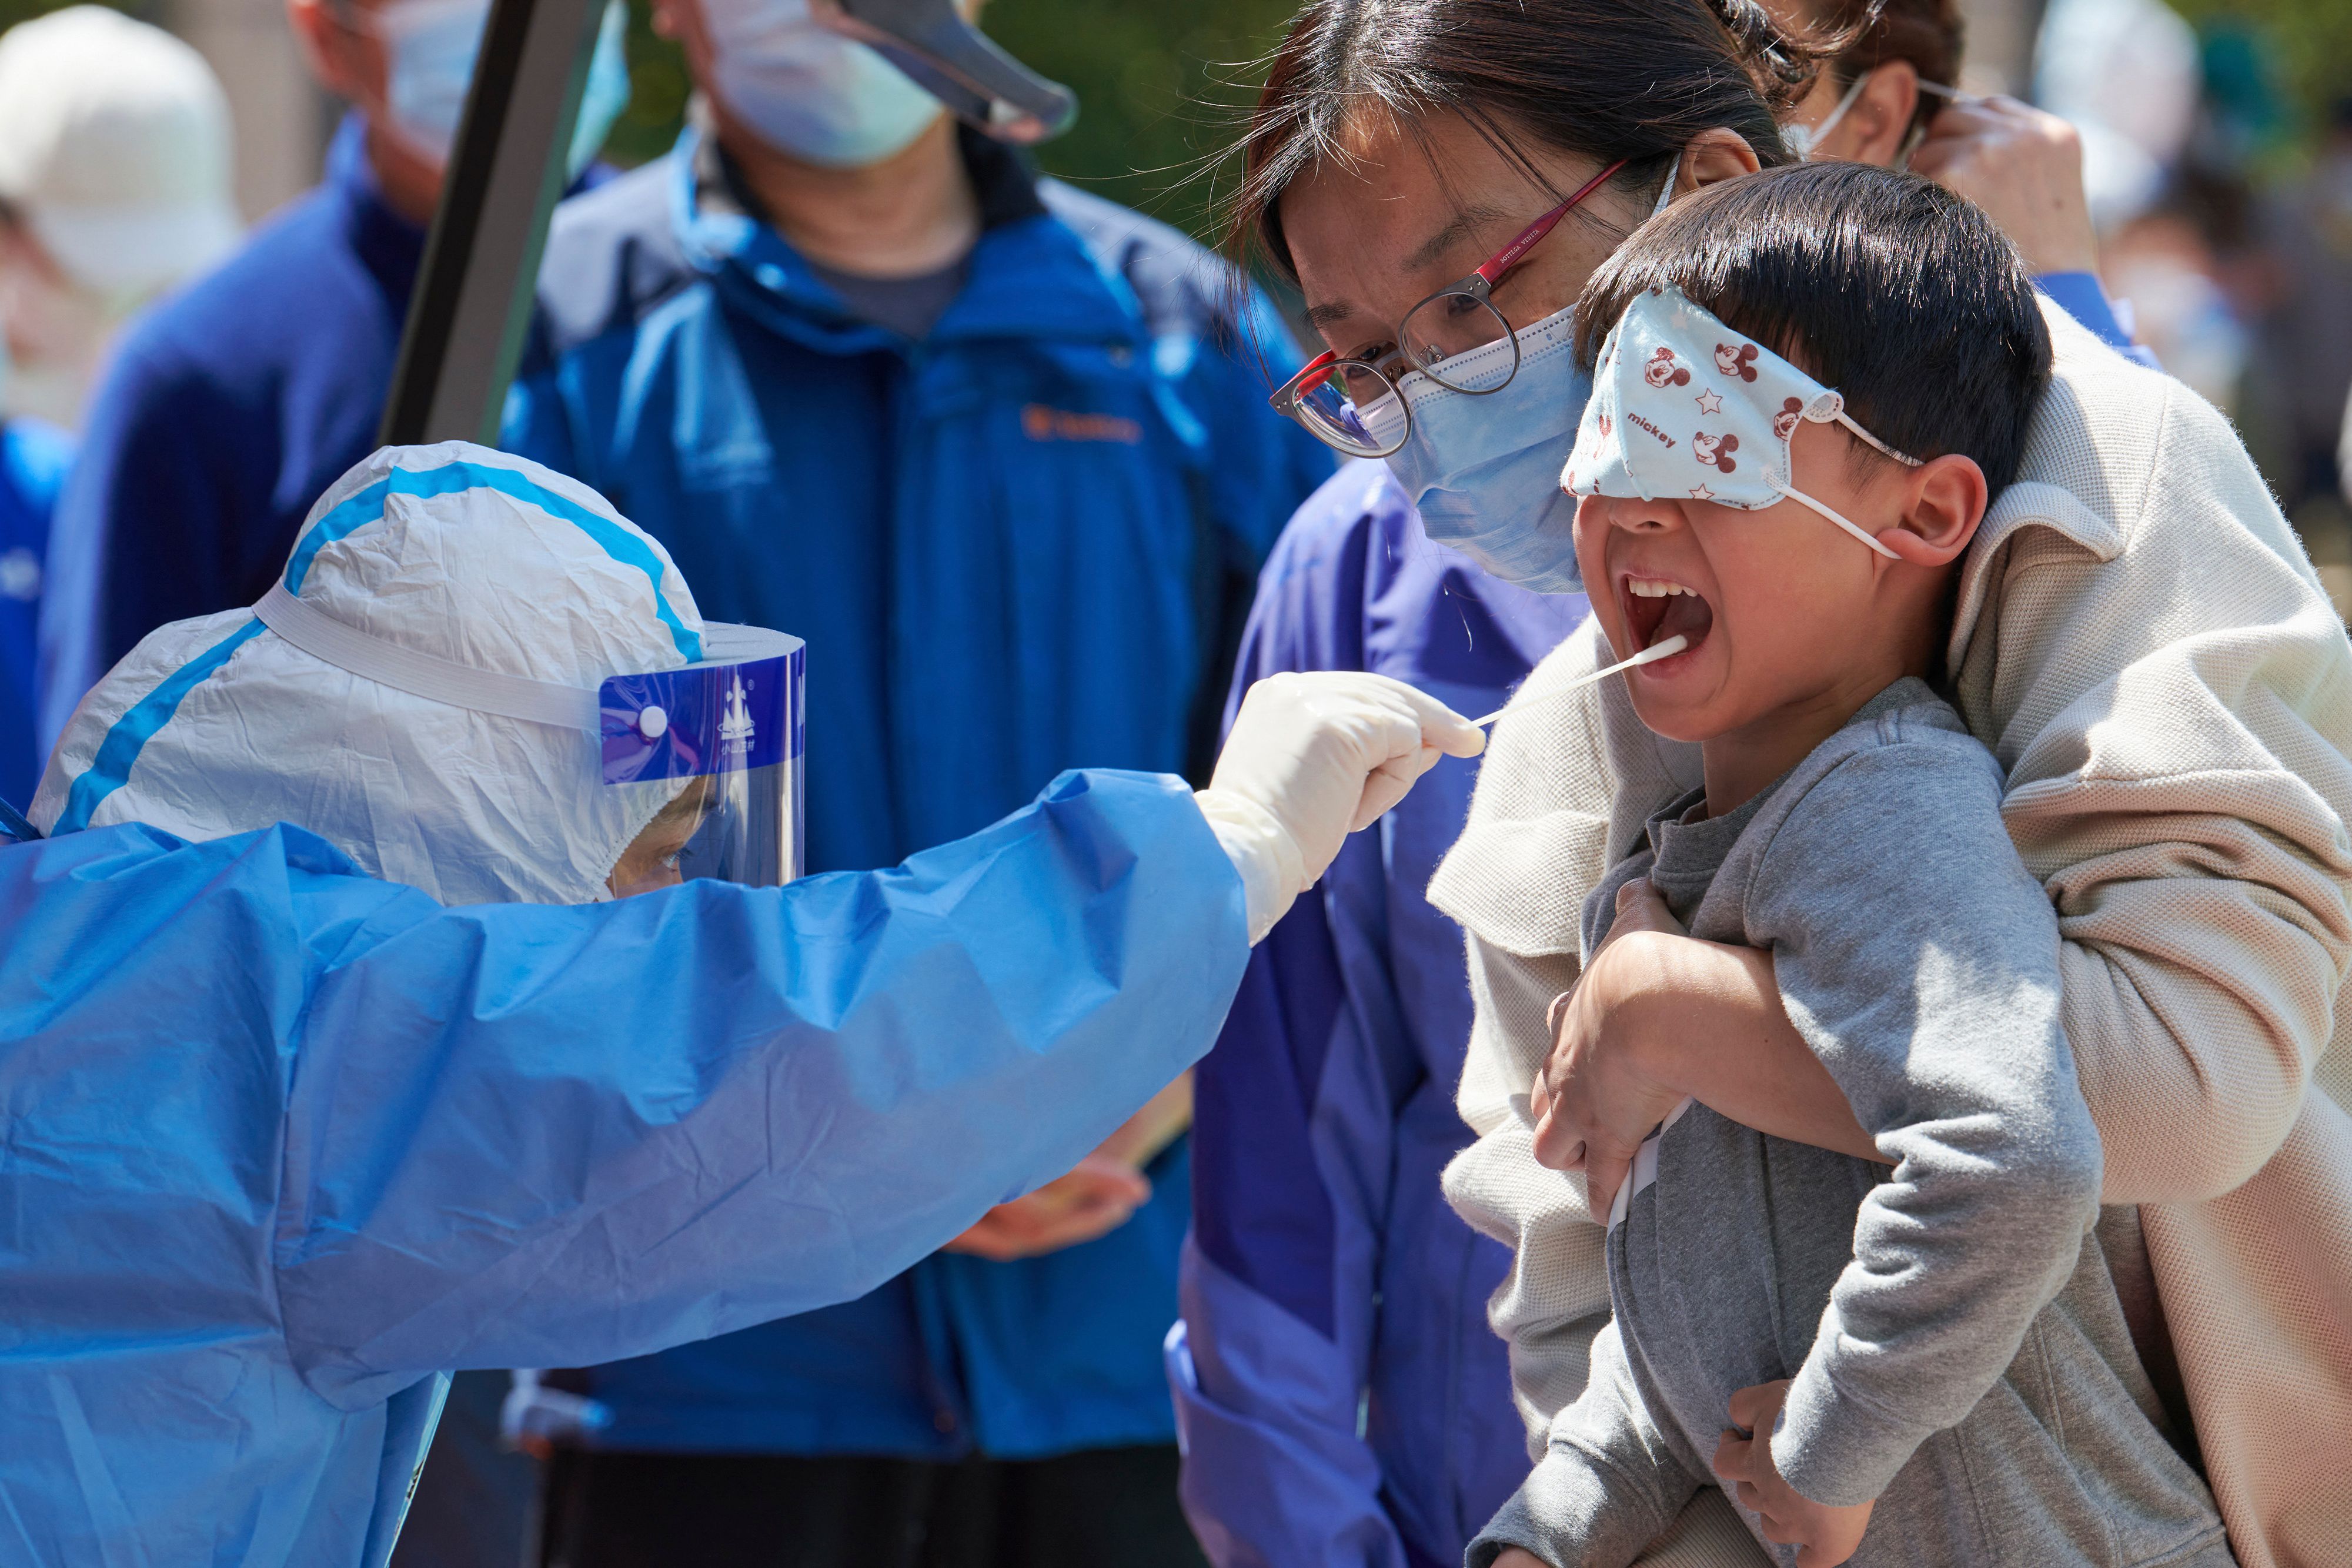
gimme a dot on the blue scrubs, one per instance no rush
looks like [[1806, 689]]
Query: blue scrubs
[[1004, 544], [283, 1143], [229, 408], [1341, 1397], [33, 462]]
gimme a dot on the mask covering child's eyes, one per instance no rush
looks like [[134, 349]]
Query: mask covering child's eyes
[[1684, 408]]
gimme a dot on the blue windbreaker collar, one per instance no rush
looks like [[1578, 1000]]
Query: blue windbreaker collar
[[390, 247], [1030, 275]]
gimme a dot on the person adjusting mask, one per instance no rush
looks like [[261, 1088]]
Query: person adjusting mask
[[385, 1132]]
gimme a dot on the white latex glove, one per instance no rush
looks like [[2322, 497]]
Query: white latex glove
[[1313, 758]]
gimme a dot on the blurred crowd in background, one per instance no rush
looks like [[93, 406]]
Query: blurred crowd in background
[[2217, 134]]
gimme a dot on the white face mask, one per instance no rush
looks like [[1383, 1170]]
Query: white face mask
[[809, 92], [1805, 141], [431, 46], [61, 330]]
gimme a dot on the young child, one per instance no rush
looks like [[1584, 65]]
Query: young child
[[1927, 1364]]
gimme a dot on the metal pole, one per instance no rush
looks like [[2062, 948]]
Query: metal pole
[[472, 307]]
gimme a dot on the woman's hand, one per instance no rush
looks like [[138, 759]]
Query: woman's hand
[[1092, 1200], [1097, 1198], [1598, 1095], [2024, 167], [1825, 1536]]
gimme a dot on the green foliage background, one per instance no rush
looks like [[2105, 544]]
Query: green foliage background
[[1160, 88], [2306, 45]]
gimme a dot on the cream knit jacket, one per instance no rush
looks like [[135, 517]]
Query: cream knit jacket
[[2143, 644]]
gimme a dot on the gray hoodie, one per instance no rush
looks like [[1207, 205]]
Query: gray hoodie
[[1956, 1344]]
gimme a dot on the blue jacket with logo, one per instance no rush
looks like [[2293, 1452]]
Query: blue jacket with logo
[[1010, 548]]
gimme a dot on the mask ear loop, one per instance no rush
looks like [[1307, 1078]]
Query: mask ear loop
[[1854, 529], [1828, 409], [1808, 137], [1666, 191], [1919, 130]]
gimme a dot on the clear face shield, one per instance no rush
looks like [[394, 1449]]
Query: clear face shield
[[730, 725], [733, 726]]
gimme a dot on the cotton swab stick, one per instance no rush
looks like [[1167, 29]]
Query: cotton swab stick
[[1650, 655]]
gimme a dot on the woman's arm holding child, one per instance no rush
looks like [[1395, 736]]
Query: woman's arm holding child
[[1659, 1016]]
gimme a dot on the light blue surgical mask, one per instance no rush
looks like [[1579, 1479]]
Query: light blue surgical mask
[[1484, 470], [432, 46], [807, 91]]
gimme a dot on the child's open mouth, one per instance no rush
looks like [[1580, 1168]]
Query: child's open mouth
[[1657, 608]]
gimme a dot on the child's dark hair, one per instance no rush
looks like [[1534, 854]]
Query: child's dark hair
[[1904, 297]]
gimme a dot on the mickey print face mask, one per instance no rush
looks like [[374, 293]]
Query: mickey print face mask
[[1684, 408]]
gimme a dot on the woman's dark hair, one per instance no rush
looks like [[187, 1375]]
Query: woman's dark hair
[[1926, 34], [1903, 295], [1634, 79]]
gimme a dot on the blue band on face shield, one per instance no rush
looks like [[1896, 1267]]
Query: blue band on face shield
[[736, 727], [712, 718], [1484, 470]]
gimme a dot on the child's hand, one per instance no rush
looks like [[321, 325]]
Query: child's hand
[[1519, 1557], [1825, 1536]]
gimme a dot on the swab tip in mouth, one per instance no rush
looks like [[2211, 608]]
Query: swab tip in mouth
[[1665, 649]]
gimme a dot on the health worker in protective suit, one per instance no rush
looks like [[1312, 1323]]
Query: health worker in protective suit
[[231, 405], [1001, 451], [287, 1142]]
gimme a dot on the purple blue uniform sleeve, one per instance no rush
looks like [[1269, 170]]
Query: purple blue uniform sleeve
[[1342, 1401]]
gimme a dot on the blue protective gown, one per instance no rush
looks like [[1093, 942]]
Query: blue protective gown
[[1003, 545], [283, 1142]]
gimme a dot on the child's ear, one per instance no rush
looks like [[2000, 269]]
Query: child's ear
[[1944, 500]]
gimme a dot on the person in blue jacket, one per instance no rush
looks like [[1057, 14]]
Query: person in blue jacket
[[1341, 1397], [230, 405], [1320, 1429], [33, 458], [286, 1143], [1000, 451]]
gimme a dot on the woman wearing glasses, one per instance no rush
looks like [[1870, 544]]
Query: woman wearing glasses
[[1440, 177]]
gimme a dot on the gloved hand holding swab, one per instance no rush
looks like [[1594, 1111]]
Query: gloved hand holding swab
[[1666, 649]]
